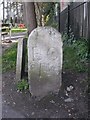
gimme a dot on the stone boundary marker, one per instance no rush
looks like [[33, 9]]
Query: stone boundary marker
[[20, 64], [19, 59], [44, 61]]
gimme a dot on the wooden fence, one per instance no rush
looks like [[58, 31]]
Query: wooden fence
[[76, 19]]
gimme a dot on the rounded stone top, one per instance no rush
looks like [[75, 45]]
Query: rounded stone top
[[46, 29]]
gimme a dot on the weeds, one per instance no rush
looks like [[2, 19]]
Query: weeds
[[22, 85], [75, 54]]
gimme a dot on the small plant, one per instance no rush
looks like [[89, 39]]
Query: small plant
[[23, 85]]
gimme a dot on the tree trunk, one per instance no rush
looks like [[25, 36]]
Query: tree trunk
[[30, 16], [38, 14]]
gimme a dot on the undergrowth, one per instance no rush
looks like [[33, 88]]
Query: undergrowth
[[75, 54], [22, 85]]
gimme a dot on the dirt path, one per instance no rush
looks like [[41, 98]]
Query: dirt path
[[52, 106], [20, 104]]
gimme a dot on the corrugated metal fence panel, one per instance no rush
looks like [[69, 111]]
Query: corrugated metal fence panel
[[85, 28], [78, 19], [63, 20], [88, 36]]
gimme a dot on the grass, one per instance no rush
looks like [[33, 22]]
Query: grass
[[16, 30], [72, 60], [9, 59], [22, 85], [75, 56]]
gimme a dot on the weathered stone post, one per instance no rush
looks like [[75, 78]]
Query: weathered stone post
[[44, 61], [20, 64], [19, 59]]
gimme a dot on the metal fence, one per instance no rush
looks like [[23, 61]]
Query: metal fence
[[76, 19]]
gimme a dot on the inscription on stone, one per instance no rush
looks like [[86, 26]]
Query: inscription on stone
[[44, 61]]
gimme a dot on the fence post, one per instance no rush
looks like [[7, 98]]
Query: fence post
[[68, 21], [88, 37], [88, 8]]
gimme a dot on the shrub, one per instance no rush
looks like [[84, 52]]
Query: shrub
[[75, 54]]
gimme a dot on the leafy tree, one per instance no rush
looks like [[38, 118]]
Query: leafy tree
[[45, 12]]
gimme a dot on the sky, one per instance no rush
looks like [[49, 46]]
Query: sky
[[1, 10]]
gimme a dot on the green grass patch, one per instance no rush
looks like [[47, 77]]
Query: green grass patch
[[75, 56], [22, 85], [9, 58], [16, 30]]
